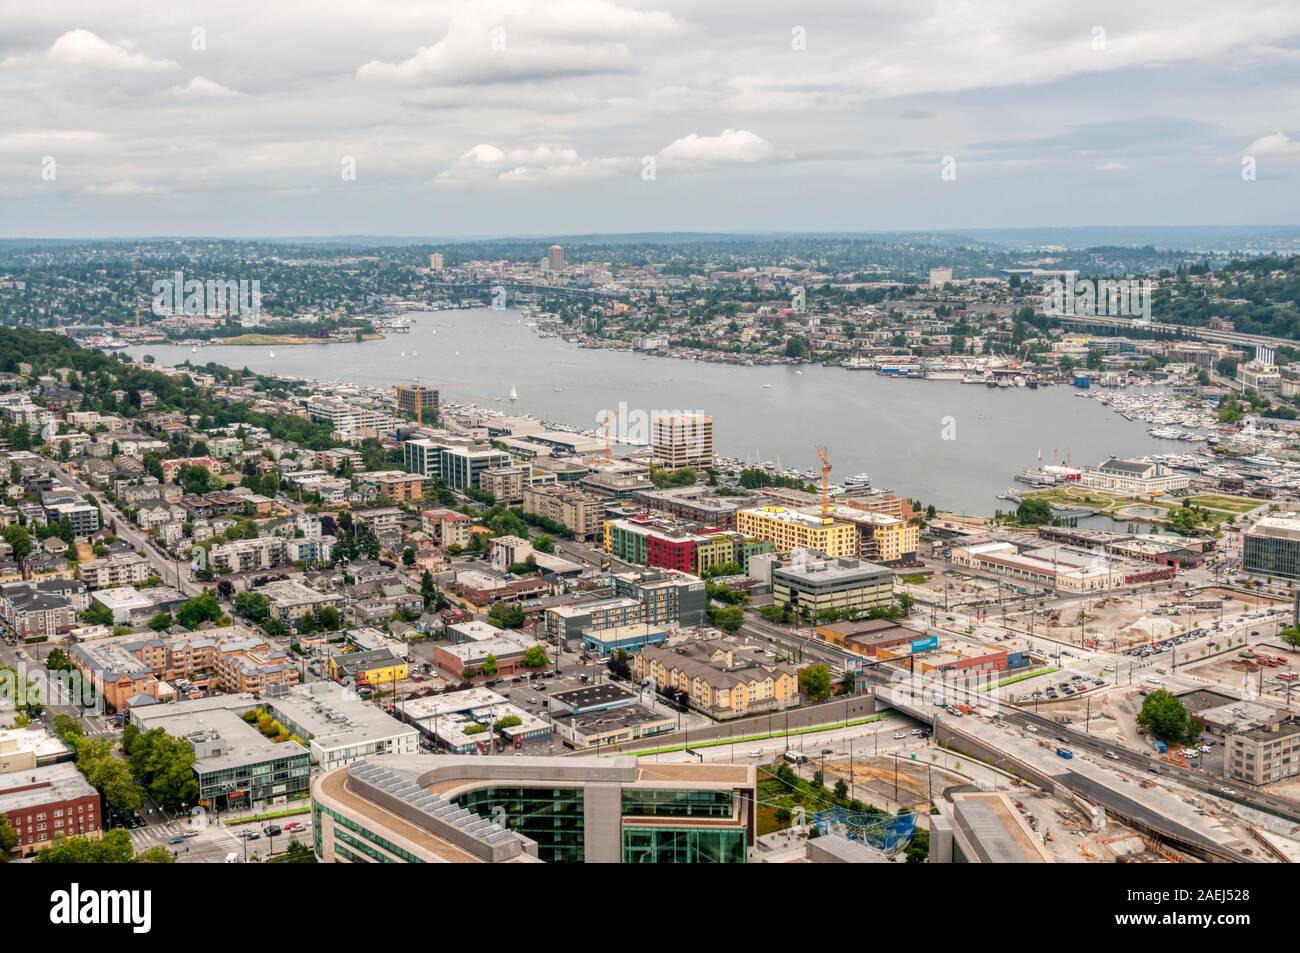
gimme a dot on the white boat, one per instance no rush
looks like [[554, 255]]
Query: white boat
[[194, 349], [766, 386], [514, 394], [273, 354]]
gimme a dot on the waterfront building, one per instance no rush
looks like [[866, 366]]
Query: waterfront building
[[418, 400], [1134, 477], [683, 440]]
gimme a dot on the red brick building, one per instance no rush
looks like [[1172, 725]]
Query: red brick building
[[47, 802]]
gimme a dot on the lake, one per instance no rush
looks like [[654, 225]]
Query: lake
[[943, 442]]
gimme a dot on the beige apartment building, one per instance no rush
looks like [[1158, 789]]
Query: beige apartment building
[[683, 440], [571, 508]]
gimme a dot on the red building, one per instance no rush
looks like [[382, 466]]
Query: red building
[[669, 553], [43, 803]]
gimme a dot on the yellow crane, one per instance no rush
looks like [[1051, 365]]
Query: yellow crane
[[609, 425], [826, 481]]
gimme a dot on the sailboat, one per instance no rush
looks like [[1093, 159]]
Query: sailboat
[[194, 349], [273, 354], [514, 394]]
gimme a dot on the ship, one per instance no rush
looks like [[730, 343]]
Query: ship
[[514, 394]]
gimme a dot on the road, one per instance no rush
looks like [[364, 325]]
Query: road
[[168, 569]]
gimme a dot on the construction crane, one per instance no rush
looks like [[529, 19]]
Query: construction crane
[[826, 482], [609, 425]]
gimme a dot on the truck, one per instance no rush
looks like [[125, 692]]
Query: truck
[[1064, 753], [1162, 747]]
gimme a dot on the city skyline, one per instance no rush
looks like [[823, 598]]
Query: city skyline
[[551, 118]]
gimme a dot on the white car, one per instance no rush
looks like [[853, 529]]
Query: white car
[[899, 736], [756, 753]]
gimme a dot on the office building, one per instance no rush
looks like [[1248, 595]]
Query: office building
[[417, 400], [683, 440], [446, 809], [235, 765], [1272, 546], [1264, 754], [437, 262], [458, 467], [812, 586]]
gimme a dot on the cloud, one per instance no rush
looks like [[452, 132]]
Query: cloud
[[81, 49], [1278, 143], [733, 145], [529, 165], [123, 187], [516, 40], [200, 87]]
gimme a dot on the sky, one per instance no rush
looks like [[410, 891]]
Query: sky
[[552, 117]]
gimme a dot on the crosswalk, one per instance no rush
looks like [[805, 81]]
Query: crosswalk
[[142, 838]]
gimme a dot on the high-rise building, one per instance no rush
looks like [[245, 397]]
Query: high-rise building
[[555, 258], [683, 440], [940, 277], [437, 262], [418, 400]]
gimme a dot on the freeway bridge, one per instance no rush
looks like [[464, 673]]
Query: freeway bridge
[[1237, 338]]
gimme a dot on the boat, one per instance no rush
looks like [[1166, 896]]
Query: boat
[[194, 350], [514, 394], [766, 386], [273, 355]]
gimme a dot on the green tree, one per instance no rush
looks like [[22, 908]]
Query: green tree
[[1033, 511], [505, 616], [202, 608], [726, 618], [815, 682], [489, 666], [328, 618], [535, 657], [8, 837], [253, 606], [1165, 716], [160, 621]]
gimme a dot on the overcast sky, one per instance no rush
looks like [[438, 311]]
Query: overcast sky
[[492, 117]]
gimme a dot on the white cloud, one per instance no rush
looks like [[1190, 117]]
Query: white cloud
[[123, 187], [517, 40], [200, 87], [81, 49], [1278, 143], [733, 145]]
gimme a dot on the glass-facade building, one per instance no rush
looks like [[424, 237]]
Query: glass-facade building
[[554, 817], [1272, 548]]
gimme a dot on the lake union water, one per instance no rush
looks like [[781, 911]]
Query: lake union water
[[893, 430]]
